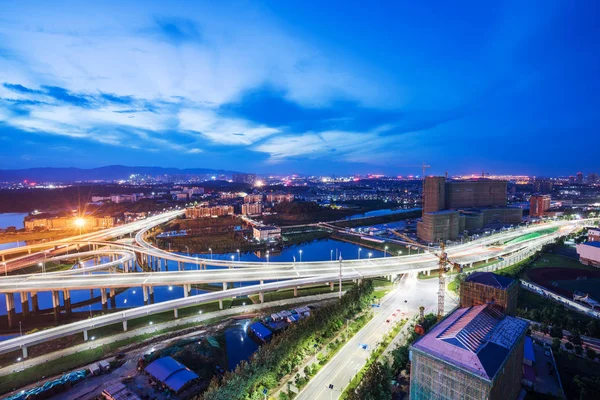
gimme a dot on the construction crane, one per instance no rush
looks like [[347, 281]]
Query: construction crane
[[442, 269]]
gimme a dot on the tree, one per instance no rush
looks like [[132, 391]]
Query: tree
[[569, 346], [578, 350], [591, 353], [592, 328], [555, 344], [575, 337], [556, 331]]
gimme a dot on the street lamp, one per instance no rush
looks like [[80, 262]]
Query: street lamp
[[267, 255], [385, 251], [209, 249], [238, 253], [370, 254], [300, 255], [359, 250], [79, 222], [5, 269], [42, 266], [188, 250]]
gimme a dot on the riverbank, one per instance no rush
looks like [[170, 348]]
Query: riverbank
[[83, 353]]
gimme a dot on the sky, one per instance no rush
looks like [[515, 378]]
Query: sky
[[302, 87]]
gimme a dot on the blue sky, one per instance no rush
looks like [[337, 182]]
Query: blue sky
[[307, 87]]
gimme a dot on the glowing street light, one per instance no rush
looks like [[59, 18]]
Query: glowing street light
[[300, 255], [359, 250], [370, 254], [238, 253], [385, 251], [79, 222], [209, 249]]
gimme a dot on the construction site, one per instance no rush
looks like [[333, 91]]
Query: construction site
[[452, 209]]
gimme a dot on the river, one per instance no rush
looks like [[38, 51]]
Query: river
[[316, 250], [12, 219]]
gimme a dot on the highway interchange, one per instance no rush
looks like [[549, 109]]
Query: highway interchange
[[289, 275]]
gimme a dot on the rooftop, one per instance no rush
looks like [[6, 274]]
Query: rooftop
[[490, 279], [593, 244], [476, 339], [171, 372]]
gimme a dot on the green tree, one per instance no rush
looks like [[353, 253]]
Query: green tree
[[556, 331], [578, 350], [591, 353], [592, 328], [555, 344]]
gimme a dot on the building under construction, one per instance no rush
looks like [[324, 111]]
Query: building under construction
[[474, 353], [453, 207], [489, 288]]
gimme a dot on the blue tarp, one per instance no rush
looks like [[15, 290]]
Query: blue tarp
[[261, 331], [528, 350], [171, 372]]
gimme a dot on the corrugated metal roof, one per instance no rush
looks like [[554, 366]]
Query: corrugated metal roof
[[170, 372], [477, 339]]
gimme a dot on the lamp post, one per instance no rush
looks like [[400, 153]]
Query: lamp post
[[370, 254], [300, 255], [238, 253], [209, 249], [5, 269], [188, 250], [331, 255], [359, 250], [385, 251], [43, 267]]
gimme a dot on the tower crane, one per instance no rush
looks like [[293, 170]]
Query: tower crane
[[443, 263]]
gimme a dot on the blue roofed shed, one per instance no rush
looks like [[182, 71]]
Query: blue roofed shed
[[171, 373], [260, 331], [528, 353]]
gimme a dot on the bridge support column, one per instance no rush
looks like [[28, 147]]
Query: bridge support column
[[178, 265], [56, 305], [331, 286], [145, 293], [295, 291], [35, 305], [103, 297], [261, 294], [186, 290], [151, 293], [10, 309], [113, 300], [175, 313], [125, 326], [85, 335], [67, 301], [24, 349], [24, 304], [428, 272]]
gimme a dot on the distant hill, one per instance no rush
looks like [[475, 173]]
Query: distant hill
[[108, 173]]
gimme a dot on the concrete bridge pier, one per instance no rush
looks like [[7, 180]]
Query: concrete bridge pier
[[35, 305], [178, 265], [151, 293], [295, 291], [186, 290], [85, 335], [221, 301], [103, 296], [428, 272], [56, 305], [67, 301], [24, 350], [175, 313], [331, 285], [145, 293], [125, 326], [24, 304], [261, 294], [113, 300], [10, 309]]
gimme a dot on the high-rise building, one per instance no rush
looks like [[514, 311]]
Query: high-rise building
[[252, 208], [593, 178], [489, 288], [538, 205], [450, 207], [473, 353], [434, 194], [579, 178]]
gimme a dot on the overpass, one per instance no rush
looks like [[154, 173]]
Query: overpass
[[294, 274]]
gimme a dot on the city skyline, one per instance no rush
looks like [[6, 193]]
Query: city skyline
[[270, 87]]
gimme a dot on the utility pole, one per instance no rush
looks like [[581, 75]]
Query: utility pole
[[340, 276]]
